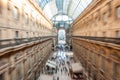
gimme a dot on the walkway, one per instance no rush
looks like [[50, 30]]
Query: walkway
[[62, 70]]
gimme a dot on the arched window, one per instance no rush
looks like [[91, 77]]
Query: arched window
[[61, 36]]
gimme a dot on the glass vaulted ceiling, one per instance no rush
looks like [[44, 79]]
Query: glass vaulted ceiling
[[55, 9]]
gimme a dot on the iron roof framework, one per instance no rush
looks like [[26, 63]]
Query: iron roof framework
[[68, 10]]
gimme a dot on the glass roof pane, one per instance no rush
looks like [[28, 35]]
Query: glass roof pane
[[65, 6], [42, 3], [53, 8], [59, 4], [71, 8], [80, 8], [47, 11], [50, 9]]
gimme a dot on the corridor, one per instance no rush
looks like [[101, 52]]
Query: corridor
[[59, 39], [62, 68]]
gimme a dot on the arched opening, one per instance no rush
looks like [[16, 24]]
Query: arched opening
[[61, 36]]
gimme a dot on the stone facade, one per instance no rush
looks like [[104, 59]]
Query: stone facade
[[23, 21], [101, 60], [24, 62], [100, 19]]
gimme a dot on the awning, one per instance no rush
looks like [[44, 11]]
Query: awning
[[50, 65], [69, 54], [77, 68], [52, 62]]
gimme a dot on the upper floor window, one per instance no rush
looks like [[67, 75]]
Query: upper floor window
[[26, 19], [15, 13], [117, 34], [118, 12], [96, 21], [27, 35], [16, 34], [104, 34], [105, 17], [0, 6]]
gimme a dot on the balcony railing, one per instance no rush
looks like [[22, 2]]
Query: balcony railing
[[13, 42], [102, 39]]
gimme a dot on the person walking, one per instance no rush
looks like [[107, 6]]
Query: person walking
[[61, 70], [57, 78], [54, 78]]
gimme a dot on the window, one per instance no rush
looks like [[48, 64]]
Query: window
[[0, 7], [26, 19], [0, 34], [94, 76], [96, 20], [94, 59], [11, 75], [18, 72], [118, 12], [2, 76], [29, 63], [2, 62], [27, 35], [104, 34], [8, 5], [105, 17], [103, 63], [115, 71], [117, 33], [15, 13], [16, 34]]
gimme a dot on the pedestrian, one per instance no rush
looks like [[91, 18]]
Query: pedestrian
[[68, 74], [54, 78], [57, 78], [61, 70], [66, 69]]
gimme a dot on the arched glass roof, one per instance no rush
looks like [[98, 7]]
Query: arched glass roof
[[70, 8]]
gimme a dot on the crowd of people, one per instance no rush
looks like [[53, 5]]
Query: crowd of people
[[62, 68]]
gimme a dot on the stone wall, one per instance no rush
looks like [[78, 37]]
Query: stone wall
[[100, 60], [25, 62], [100, 19]]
